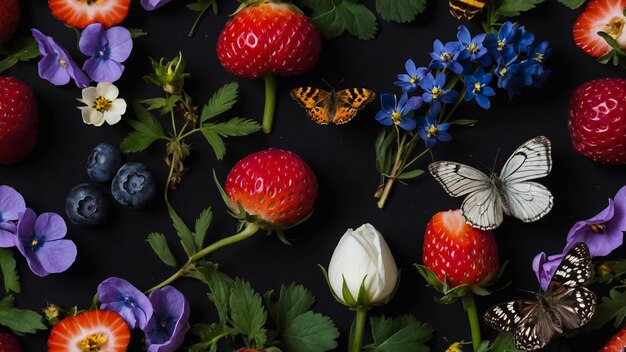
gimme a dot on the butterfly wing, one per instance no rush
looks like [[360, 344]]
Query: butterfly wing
[[348, 101], [527, 201], [574, 270], [315, 101], [506, 316], [467, 8], [483, 209], [530, 161], [575, 307], [535, 330]]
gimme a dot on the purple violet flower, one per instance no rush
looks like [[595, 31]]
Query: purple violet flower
[[122, 297], [56, 65], [545, 267], [153, 4], [108, 48], [166, 329], [410, 80], [11, 206], [604, 232], [40, 240]]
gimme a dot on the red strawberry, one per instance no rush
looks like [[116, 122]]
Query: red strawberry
[[463, 254], [600, 16], [93, 330], [18, 120], [274, 184], [9, 18], [8, 343], [267, 38], [617, 343], [81, 13], [597, 120]]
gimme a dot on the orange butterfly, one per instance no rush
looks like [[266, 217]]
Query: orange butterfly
[[336, 107]]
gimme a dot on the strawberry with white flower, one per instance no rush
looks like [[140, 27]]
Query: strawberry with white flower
[[102, 104]]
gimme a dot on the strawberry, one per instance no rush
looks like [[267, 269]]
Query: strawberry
[[93, 330], [600, 16], [18, 120], [597, 120], [81, 13], [617, 343], [459, 253], [8, 343], [267, 38], [9, 18], [275, 185]]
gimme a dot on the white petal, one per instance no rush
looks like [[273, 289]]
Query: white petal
[[85, 112], [89, 95], [118, 106], [112, 118], [108, 90], [95, 118]]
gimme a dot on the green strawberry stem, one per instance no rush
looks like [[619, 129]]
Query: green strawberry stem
[[356, 338], [248, 230], [270, 102], [469, 305]]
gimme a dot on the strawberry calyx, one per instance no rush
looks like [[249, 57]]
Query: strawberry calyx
[[276, 5]]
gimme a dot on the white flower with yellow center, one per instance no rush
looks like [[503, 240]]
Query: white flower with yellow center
[[102, 104]]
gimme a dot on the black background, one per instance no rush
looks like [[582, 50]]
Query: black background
[[341, 156]]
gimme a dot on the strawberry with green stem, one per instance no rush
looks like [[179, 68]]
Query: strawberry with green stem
[[266, 38]]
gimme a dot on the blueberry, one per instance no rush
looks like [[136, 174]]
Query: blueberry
[[103, 162], [134, 186], [86, 205]]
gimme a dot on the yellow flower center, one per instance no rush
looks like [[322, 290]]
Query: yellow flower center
[[446, 56], [614, 27], [432, 131], [502, 71], [412, 80], [472, 48], [501, 44], [34, 243], [538, 57], [597, 227], [102, 104], [92, 343], [455, 347], [396, 117], [436, 92], [477, 87]]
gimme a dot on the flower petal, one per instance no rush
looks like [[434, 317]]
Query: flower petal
[[103, 70], [50, 226], [56, 256], [171, 307], [619, 215], [388, 102], [120, 43], [153, 4], [89, 95], [121, 296], [91, 39], [118, 106], [384, 118], [7, 238], [108, 90], [408, 124], [11, 203], [50, 70]]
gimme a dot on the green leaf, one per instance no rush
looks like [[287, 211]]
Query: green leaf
[[223, 194], [512, 8], [18, 320], [464, 122], [8, 62], [504, 343], [222, 101], [220, 286], [410, 174], [384, 151], [209, 334], [430, 277], [165, 104], [236, 126], [612, 43], [401, 11], [203, 5], [292, 301], [572, 4], [147, 131], [216, 142], [184, 233], [7, 263], [202, 226], [159, 245], [247, 314], [403, 333], [23, 49], [137, 33], [334, 17], [310, 332]]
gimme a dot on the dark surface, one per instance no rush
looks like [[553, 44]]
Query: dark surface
[[342, 157]]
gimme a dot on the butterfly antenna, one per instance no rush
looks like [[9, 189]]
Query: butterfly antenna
[[328, 84], [479, 162], [493, 167]]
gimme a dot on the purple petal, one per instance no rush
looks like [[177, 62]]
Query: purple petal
[[599, 243], [101, 70], [170, 307], [11, 204], [50, 70], [91, 39], [121, 296], [120, 43], [463, 35], [56, 256], [388, 102], [438, 46], [26, 227], [404, 77], [483, 101], [50, 226], [7, 239], [153, 4], [34, 264], [43, 42], [545, 267], [440, 80], [410, 67], [619, 216], [603, 216]]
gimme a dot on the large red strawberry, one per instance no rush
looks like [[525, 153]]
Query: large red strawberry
[[93, 330], [268, 38], [617, 343], [455, 251], [8, 343], [273, 184], [9, 18], [597, 120], [18, 120], [81, 13], [600, 16]]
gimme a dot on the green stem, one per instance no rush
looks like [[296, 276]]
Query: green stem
[[167, 96], [359, 329], [249, 230], [270, 102], [195, 23], [469, 304], [391, 178]]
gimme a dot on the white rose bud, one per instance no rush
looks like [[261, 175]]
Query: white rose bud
[[363, 254]]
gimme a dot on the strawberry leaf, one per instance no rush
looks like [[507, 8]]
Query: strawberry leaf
[[292, 301], [202, 226], [147, 131], [159, 245], [403, 333], [19, 321], [247, 314], [183, 232], [221, 101], [512, 8], [234, 127], [401, 11], [572, 4], [220, 286], [165, 104], [309, 332], [216, 142], [23, 49], [7, 263], [334, 17]]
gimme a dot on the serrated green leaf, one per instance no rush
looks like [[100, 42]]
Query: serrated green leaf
[[216, 142], [402, 11], [165, 104], [210, 335], [19, 321], [310, 332], [220, 286], [202, 226], [334, 17], [504, 343], [362, 23], [147, 131], [572, 4], [236, 126], [221, 101], [410, 174], [137, 33], [159, 245], [403, 333], [7, 263], [183, 232], [247, 314], [512, 8], [292, 301], [136, 142]]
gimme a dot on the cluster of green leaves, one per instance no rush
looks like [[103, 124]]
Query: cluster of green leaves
[[22, 49], [18, 320], [499, 10], [334, 17], [201, 6], [243, 317], [616, 56], [403, 333]]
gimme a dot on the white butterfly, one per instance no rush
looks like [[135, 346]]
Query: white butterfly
[[510, 192]]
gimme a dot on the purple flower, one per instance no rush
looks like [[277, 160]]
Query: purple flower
[[545, 267], [40, 240], [153, 4], [56, 65], [11, 206], [108, 48], [410, 80], [166, 329], [604, 232], [122, 297]]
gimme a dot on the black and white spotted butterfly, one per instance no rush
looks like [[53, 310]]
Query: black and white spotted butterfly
[[565, 305], [511, 192]]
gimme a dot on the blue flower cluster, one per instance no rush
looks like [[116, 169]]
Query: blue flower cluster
[[511, 58]]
